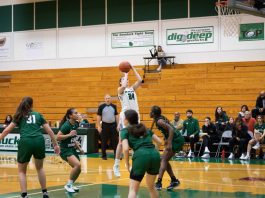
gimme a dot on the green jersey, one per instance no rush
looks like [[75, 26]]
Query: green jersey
[[191, 125], [166, 132], [260, 128], [66, 128], [138, 142], [30, 126]]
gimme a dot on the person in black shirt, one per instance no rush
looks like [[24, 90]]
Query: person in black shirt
[[260, 105], [240, 137], [209, 137], [8, 120], [109, 118], [230, 124]]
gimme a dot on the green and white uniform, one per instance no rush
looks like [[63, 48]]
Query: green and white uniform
[[145, 158], [128, 101], [260, 128], [68, 145], [177, 140], [31, 139]]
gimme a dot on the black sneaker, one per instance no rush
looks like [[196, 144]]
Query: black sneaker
[[45, 195], [173, 184], [158, 185], [104, 158]]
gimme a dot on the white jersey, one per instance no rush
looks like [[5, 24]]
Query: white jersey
[[129, 100]]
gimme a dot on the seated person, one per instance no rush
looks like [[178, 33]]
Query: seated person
[[260, 105], [209, 136], [221, 119], [244, 108], [191, 131], [177, 122], [8, 120], [240, 137], [230, 124], [259, 133], [249, 121], [82, 119], [160, 58]]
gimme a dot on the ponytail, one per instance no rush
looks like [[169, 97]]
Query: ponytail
[[137, 130], [66, 116], [24, 108]]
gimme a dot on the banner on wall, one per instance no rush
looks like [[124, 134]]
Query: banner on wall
[[34, 49], [251, 32], [4, 47], [10, 142], [192, 35], [132, 39]]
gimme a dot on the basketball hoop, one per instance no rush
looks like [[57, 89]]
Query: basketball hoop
[[230, 18]]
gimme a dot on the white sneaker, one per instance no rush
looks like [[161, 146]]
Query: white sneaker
[[116, 170], [76, 189], [205, 156], [242, 157], [189, 155], [206, 150], [247, 157], [231, 156], [257, 146], [69, 188]]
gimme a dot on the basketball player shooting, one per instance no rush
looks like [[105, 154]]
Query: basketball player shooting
[[128, 99]]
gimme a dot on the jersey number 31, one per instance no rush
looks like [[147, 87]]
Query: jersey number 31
[[31, 119]]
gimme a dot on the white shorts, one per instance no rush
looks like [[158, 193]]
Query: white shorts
[[122, 118]]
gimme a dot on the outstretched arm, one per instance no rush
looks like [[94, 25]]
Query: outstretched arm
[[7, 130], [48, 130], [139, 79]]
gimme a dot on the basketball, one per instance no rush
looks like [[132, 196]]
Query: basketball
[[125, 66]]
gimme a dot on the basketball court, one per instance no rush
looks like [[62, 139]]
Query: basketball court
[[209, 178]]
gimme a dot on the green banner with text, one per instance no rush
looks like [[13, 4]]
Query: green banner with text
[[251, 32]]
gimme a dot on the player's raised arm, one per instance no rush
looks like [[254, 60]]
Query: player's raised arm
[[139, 79], [123, 83]]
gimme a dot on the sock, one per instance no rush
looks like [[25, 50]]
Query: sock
[[70, 182], [117, 162], [173, 178], [24, 194], [159, 180]]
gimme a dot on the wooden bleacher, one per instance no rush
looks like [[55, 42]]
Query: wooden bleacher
[[200, 87]]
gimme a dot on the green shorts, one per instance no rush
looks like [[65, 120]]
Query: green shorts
[[67, 152], [178, 143], [145, 160], [31, 146]]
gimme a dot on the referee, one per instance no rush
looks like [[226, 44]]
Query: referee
[[108, 115]]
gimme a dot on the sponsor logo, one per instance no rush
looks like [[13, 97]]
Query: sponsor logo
[[251, 32], [193, 35], [34, 45]]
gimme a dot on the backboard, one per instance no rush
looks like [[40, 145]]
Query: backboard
[[253, 7]]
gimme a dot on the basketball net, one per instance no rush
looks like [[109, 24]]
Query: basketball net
[[230, 19]]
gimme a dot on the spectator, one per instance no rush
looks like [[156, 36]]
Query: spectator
[[177, 122], [108, 115], [83, 119], [209, 136], [230, 124], [260, 105], [8, 120], [160, 54], [249, 121], [259, 134], [191, 131], [240, 137], [244, 108], [220, 119]]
